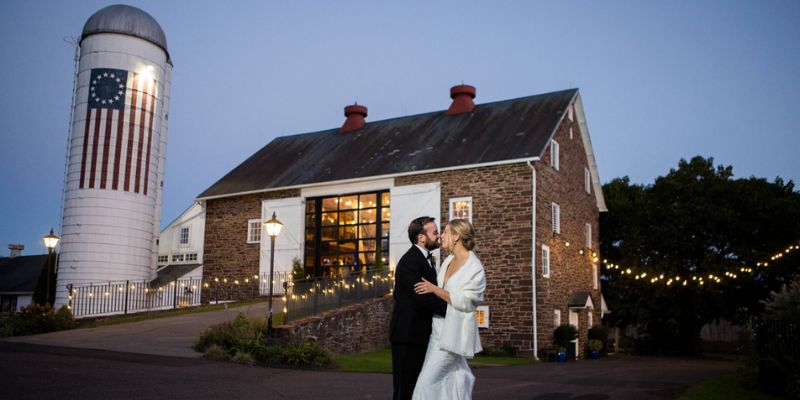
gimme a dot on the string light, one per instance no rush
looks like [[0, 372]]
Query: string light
[[700, 280]]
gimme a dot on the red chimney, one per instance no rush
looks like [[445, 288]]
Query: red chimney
[[462, 96], [355, 118]]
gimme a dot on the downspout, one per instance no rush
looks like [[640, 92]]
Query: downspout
[[533, 261]]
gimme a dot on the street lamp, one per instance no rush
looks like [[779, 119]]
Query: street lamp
[[273, 230], [50, 241]]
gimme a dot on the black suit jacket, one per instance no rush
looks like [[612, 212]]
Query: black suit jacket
[[413, 313]]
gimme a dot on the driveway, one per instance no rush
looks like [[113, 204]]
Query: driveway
[[43, 372], [170, 336], [153, 359]]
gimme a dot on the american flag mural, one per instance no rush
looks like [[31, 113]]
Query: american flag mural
[[118, 131]]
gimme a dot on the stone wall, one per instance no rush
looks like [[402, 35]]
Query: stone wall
[[356, 328], [227, 255], [501, 201], [570, 271]]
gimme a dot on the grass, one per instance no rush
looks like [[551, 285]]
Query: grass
[[727, 386], [277, 318], [381, 362]]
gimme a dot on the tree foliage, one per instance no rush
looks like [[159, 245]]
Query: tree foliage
[[696, 221]]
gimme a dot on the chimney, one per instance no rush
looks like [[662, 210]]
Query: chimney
[[16, 249], [462, 96], [355, 118]]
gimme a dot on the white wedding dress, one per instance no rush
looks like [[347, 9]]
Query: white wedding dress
[[444, 375]]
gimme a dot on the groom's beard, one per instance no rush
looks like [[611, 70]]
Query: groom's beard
[[431, 245]]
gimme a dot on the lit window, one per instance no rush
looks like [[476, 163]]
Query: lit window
[[556, 218], [184, 235], [588, 236], [587, 181], [348, 233], [461, 207], [254, 231], [554, 154], [556, 317], [545, 261]]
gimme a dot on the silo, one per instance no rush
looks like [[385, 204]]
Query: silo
[[116, 155]]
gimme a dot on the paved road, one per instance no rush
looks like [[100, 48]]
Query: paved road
[[42, 372], [171, 336], [153, 359]]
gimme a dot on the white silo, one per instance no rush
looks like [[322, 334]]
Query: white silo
[[115, 169]]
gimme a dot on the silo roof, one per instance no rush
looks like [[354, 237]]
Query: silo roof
[[126, 20]]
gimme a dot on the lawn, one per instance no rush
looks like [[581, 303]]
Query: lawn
[[724, 387], [381, 362]]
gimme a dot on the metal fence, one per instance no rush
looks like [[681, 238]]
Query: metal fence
[[110, 298], [310, 297], [778, 353]]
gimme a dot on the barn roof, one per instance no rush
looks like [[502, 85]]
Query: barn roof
[[20, 274], [493, 133]]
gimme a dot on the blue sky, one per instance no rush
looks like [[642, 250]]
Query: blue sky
[[660, 80]]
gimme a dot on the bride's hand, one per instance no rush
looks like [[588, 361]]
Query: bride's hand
[[424, 287]]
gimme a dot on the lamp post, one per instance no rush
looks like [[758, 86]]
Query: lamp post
[[273, 230], [50, 241]]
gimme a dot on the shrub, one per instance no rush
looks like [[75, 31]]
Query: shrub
[[243, 341], [298, 272], [216, 353], [594, 345], [564, 334], [37, 318]]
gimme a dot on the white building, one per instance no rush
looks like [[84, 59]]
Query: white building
[[180, 246]]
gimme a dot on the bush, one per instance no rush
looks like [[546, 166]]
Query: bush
[[244, 341], [564, 334], [36, 318], [594, 345], [599, 332]]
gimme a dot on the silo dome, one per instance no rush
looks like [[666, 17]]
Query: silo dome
[[126, 20]]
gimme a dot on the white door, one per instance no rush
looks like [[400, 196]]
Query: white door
[[573, 320], [409, 202], [289, 243]]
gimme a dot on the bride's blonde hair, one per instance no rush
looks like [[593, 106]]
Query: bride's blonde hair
[[465, 231]]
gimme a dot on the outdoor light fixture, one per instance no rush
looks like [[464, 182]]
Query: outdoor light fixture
[[273, 227], [50, 241]]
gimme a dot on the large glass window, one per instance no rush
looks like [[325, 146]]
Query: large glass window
[[346, 234]]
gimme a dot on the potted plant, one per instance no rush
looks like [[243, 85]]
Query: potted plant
[[593, 347], [562, 337]]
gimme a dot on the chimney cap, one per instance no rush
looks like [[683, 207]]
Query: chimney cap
[[355, 109], [462, 89], [355, 118]]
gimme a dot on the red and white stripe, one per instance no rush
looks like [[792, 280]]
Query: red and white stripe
[[116, 143]]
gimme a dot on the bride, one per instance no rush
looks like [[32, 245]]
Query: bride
[[454, 338]]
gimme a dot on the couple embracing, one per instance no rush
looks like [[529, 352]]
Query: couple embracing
[[433, 328]]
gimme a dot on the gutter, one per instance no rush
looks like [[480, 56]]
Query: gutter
[[535, 332]]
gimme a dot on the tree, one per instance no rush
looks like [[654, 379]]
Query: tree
[[697, 221]]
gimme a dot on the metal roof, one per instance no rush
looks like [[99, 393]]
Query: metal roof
[[126, 20], [517, 129], [169, 273], [20, 274]]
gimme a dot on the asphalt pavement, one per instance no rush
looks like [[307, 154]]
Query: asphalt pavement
[[153, 359]]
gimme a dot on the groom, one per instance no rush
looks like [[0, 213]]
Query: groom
[[410, 328]]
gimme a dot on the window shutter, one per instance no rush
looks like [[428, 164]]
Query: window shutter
[[556, 218], [554, 162], [545, 261]]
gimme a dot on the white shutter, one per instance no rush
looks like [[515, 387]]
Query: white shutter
[[556, 218], [409, 202], [554, 161], [289, 243]]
